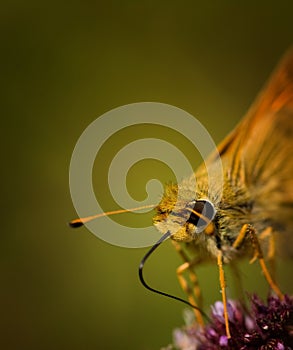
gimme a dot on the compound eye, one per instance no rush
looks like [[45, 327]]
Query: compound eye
[[202, 214]]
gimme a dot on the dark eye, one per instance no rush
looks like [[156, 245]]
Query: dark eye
[[205, 208]]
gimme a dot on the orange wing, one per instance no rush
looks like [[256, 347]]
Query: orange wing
[[259, 151], [277, 94]]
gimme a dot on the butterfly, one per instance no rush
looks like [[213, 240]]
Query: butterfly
[[247, 214], [251, 213]]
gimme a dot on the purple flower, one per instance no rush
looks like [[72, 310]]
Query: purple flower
[[265, 327]]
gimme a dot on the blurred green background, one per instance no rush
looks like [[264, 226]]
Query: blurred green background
[[63, 65]]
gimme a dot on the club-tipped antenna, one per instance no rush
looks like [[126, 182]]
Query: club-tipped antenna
[[81, 221], [142, 280]]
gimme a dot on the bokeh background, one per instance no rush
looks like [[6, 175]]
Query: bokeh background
[[63, 65]]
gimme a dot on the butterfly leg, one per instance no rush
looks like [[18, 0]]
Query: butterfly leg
[[223, 290], [194, 294], [247, 231], [271, 252]]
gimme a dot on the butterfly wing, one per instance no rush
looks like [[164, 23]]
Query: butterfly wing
[[259, 152], [277, 95]]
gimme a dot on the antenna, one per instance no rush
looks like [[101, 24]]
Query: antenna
[[81, 221]]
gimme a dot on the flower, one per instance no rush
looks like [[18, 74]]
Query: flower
[[267, 326]]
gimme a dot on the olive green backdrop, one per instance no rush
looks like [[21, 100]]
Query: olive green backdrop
[[63, 65]]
